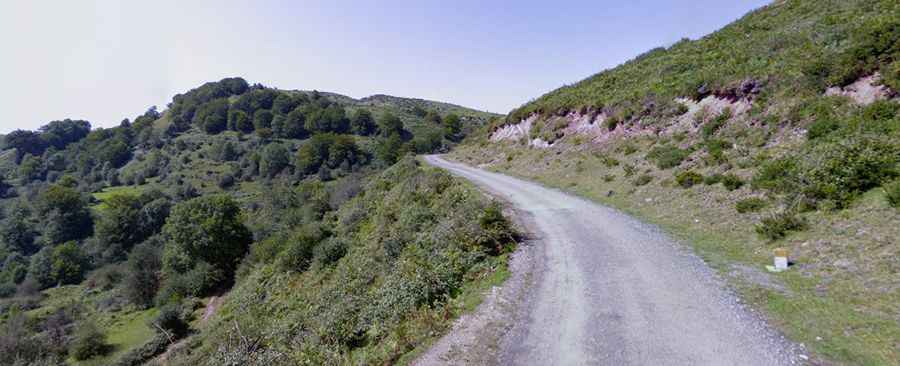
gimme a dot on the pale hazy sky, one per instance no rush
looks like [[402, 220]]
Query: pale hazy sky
[[107, 60]]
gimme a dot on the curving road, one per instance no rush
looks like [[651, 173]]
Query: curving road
[[610, 290]]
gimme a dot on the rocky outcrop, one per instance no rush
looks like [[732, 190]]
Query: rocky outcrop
[[864, 91]]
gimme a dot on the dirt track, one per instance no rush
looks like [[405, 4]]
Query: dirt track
[[605, 288]]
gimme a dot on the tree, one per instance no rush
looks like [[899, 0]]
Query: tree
[[262, 119], [207, 229], [389, 124], [273, 160], [362, 123], [328, 151], [17, 232], [129, 219], [294, 125], [64, 213], [239, 121], [141, 277], [115, 151], [213, 116], [25, 142], [328, 119], [61, 133], [389, 149], [452, 127], [284, 103], [68, 263], [40, 268], [31, 169]]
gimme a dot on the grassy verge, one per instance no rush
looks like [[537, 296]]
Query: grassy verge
[[840, 299], [470, 296]]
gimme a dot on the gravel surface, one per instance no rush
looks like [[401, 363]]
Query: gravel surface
[[603, 288]]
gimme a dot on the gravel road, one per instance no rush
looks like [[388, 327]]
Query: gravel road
[[606, 289]]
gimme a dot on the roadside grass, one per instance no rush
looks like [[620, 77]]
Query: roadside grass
[[840, 299], [466, 301]]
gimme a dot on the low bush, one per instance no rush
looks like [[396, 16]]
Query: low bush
[[893, 193], [330, 251], [667, 157], [688, 179], [776, 175], [712, 179], [89, 342], [732, 182], [752, 204], [642, 180], [171, 321], [779, 225]]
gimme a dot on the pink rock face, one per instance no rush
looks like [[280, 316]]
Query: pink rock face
[[864, 91]]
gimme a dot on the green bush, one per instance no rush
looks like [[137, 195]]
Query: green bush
[[89, 342], [668, 156], [842, 171], [688, 179], [171, 319], [642, 180], [712, 179], [777, 175], [330, 251], [779, 225], [732, 182], [893, 193], [752, 204]]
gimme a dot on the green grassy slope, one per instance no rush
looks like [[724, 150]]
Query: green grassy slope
[[789, 47]]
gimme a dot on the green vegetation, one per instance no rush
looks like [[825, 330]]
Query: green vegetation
[[752, 204], [142, 219], [668, 156], [779, 225], [768, 52], [893, 194], [803, 168], [688, 178]]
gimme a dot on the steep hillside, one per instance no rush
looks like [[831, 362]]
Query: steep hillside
[[121, 245], [780, 130]]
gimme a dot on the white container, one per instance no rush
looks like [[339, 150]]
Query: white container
[[781, 263]]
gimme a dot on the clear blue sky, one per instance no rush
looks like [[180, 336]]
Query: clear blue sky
[[107, 60]]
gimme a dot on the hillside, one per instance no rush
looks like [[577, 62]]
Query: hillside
[[780, 130], [296, 221]]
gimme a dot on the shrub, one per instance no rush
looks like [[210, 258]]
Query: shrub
[[732, 182], [89, 342], [330, 251], [171, 319], [299, 252], [668, 156], [776, 175], [842, 171], [712, 179], [608, 178], [688, 179], [893, 193], [710, 128], [779, 225], [643, 180], [751, 204], [495, 230]]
